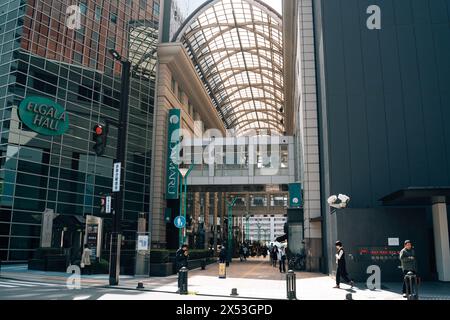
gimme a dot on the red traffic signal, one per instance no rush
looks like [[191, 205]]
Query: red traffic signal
[[98, 129], [99, 139]]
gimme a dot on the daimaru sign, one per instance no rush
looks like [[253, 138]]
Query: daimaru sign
[[173, 141], [43, 116]]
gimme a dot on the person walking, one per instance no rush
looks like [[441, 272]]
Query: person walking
[[282, 259], [222, 255], [241, 253], [341, 271], [408, 261], [181, 260], [245, 249], [86, 260], [182, 256], [270, 253], [274, 256]]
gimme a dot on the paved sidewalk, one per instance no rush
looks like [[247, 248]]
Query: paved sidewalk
[[257, 279], [254, 279]]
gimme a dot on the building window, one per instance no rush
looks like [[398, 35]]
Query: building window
[[83, 8], [156, 9], [77, 57], [258, 201], [174, 85], [143, 4], [278, 200], [113, 18], [79, 34], [98, 13], [110, 44], [180, 95]]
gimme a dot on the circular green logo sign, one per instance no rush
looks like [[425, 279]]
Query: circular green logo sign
[[43, 116]]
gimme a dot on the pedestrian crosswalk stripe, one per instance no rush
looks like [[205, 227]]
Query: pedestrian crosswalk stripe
[[17, 283], [7, 283], [34, 283]]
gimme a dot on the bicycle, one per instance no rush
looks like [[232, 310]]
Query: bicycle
[[297, 262]]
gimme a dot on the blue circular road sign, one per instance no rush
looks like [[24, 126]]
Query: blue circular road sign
[[180, 222]]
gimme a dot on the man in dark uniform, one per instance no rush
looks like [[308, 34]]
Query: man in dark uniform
[[182, 256], [223, 254], [341, 271], [181, 259], [408, 260]]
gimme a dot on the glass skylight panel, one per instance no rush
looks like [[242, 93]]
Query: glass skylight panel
[[238, 44]]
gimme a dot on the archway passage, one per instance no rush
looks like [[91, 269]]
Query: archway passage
[[237, 49]]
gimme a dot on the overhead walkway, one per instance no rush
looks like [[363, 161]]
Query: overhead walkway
[[240, 161]]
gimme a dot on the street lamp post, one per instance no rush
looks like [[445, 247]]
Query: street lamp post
[[247, 227], [184, 172], [230, 226], [116, 236]]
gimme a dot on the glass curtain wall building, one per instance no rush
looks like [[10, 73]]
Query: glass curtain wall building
[[51, 49]]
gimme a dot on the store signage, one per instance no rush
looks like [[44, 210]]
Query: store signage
[[179, 222], [93, 235], [295, 195], [108, 204], [116, 176], [173, 140], [43, 116], [378, 253], [142, 243], [47, 228], [393, 242]]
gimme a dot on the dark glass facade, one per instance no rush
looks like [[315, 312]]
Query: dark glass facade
[[41, 56]]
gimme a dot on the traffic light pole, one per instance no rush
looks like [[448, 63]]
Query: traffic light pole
[[116, 236]]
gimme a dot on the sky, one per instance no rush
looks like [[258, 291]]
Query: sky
[[276, 4], [191, 5]]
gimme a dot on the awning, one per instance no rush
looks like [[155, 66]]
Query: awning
[[70, 221], [417, 196]]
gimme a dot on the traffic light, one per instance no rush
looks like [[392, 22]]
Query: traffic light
[[99, 138], [103, 204]]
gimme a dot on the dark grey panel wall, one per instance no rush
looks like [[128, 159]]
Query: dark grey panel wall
[[371, 228], [385, 94]]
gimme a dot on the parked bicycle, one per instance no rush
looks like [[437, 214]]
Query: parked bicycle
[[297, 262]]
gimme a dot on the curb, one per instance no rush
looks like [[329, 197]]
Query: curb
[[190, 293]]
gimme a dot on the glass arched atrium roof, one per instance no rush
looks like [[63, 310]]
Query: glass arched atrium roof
[[142, 47], [236, 47]]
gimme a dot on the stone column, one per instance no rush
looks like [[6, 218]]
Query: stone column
[[216, 209], [159, 157], [206, 221], [441, 238]]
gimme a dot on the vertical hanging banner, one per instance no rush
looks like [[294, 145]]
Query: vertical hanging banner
[[295, 195], [173, 139]]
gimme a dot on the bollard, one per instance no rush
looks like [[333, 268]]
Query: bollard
[[348, 296], [140, 285], [183, 281], [203, 264], [234, 292], [222, 271], [291, 285], [412, 286]]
